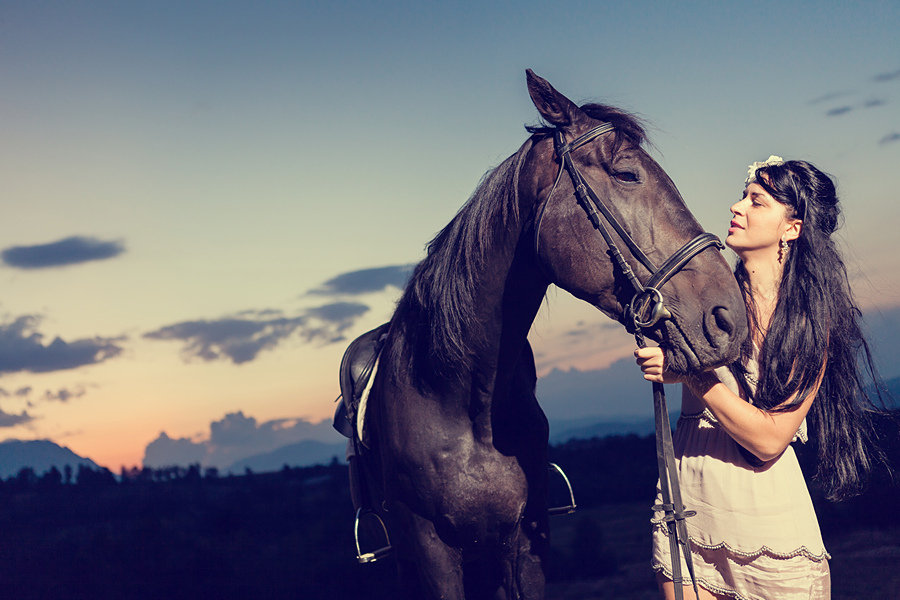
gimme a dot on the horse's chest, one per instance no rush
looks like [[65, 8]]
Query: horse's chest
[[481, 494]]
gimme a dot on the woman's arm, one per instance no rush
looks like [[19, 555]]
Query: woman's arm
[[765, 434]]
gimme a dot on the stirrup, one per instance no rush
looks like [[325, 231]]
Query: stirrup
[[563, 510], [370, 557]]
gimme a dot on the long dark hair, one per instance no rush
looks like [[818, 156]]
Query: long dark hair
[[816, 322]]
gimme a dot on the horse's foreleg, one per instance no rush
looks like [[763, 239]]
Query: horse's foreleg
[[526, 574], [438, 569]]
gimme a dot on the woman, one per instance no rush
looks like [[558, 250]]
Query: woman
[[755, 535]]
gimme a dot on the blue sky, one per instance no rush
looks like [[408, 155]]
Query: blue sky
[[202, 170]]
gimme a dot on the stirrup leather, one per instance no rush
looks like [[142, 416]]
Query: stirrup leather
[[570, 508], [370, 557]]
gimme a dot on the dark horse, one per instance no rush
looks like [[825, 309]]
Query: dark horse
[[455, 457]]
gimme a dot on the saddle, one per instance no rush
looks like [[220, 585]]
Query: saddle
[[357, 369]]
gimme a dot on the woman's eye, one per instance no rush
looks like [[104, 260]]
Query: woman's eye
[[626, 177]]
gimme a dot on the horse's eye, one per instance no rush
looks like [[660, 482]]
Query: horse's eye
[[626, 177]]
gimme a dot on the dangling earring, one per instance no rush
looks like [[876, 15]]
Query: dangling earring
[[782, 250], [784, 245]]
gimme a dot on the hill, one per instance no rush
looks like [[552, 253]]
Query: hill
[[301, 454], [40, 456]]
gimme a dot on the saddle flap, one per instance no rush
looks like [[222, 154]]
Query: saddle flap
[[357, 367]]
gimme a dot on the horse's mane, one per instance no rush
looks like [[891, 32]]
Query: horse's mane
[[438, 307], [628, 127]]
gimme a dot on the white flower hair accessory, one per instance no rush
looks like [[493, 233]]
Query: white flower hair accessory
[[751, 174]]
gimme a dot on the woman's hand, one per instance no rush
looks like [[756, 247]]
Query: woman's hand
[[652, 362]]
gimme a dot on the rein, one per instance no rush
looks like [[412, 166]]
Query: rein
[[646, 308]]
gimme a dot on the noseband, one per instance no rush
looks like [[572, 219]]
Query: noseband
[[647, 306]]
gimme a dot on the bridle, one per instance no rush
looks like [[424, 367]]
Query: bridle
[[647, 306], [646, 309]]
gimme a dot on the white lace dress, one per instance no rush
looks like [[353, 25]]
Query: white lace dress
[[755, 535]]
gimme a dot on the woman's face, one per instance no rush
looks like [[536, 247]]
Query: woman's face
[[759, 224]]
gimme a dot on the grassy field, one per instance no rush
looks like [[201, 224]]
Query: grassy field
[[865, 562], [288, 535]]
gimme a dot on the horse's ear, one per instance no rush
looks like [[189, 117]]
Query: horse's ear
[[553, 106]]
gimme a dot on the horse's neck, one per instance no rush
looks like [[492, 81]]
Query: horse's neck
[[513, 292]]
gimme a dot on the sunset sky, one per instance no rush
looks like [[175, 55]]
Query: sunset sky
[[202, 201]]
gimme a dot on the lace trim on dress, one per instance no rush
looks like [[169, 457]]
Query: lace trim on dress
[[801, 551], [701, 581], [710, 421]]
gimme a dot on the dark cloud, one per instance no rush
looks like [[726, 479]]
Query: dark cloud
[[828, 97], [338, 312], [874, 102], [366, 281], [838, 111], [234, 438], [7, 420], [881, 77], [70, 251], [890, 138], [63, 394], [21, 349], [243, 337], [335, 319], [239, 339]]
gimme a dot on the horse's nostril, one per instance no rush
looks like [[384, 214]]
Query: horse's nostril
[[723, 320]]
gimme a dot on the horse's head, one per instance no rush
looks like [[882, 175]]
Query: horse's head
[[704, 321]]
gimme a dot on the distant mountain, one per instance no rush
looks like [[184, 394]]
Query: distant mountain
[[579, 404], [882, 328], [618, 394], [301, 454], [583, 429], [40, 455]]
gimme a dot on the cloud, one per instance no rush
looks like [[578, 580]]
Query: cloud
[[889, 139], [21, 349], [838, 111], [234, 438], [239, 339], [63, 394], [874, 102], [166, 452], [882, 77], [7, 420], [828, 97], [366, 281], [243, 337], [69, 251]]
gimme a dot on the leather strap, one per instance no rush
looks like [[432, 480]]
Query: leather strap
[[672, 506]]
